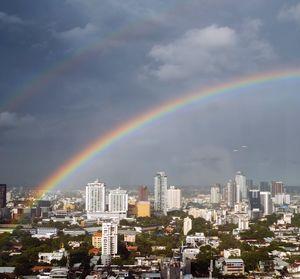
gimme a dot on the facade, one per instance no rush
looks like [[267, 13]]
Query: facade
[[3, 189], [97, 240], [254, 199], [187, 225], [243, 222], [266, 203], [160, 192], [215, 194], [95, 197], [143, 209], [118, 200], [241, 187], [109, 242], [231, 193], [276, 188], [233, 266], [282, 199], [173, 198], [143, 193]]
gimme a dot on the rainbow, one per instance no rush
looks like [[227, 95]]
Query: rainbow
[[126, 128]]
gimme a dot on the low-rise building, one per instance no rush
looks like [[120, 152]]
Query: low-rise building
[[233, 266]]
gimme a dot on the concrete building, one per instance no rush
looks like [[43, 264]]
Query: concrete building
[[118, 200], [266, 203], [173, 198], [143, 193], [254, 199], [95, 197], [187, 225], [276, 188], [97, 240], [241, 187], [231, 193], [55, 255], [233, 267], [109, 242], [243, 222], [215, 194], [143, 209], [282, 198], [160, 192]]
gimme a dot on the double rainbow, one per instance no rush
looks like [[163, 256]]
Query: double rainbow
[[111, 137]]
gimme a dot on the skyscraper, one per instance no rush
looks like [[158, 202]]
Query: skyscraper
[[266, 203], [95, 197], [160, 192], [241, 187], [109, 242], [276, 188], [231, 193], [117, 200], [215, 194], [264, 186], [254, 199], [2, 195], [143, 193], [173, 198]]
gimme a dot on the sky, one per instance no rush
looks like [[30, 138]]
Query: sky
[[72, 70]]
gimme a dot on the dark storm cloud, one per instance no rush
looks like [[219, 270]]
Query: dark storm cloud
[[139, 55]]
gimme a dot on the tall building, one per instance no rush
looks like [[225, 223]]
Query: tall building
[[187, 225], [173, 198], [97, 240], [160, 192], [276, 188], [231, 193], [264, 186], [109, 245], [249, 183], [215, 194], [143, 193], [254, 199], [266, 203], [95, 197], [118, 200], [241, 187], [2, 195]]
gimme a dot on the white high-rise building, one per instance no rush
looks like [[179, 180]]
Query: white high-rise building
[[174, 198], [118, 200], [95, 197], [160, 192], [215, 194], [231, 193], [241, 187], [243, 222], [266, 203], [109, 242], [187, 225]]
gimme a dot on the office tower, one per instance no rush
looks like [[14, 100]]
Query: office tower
[[254, 199], [215, 194], [266, 203], [187, 225], [143, 209], [231, 193], [241, 187], [276, 188], [160, 192], [2, 195], [143, 193], [109, 245], [264, 186], [117, 200], [173, 198], [95, 197]]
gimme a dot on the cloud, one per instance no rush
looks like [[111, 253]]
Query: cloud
[[78, 33], [210, 50], [12, 19], [10, 120], [291, 13]]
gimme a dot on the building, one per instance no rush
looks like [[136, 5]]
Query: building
[[55, 255], [95, 197], [215, 194], [143, 209], [243, 222], [109, 242], [266, 203], [282, 199], [160, 192], [59, 273], [97, 240], [143, 193], [241, 187], [254, 199], [264, 186], [233, 266], [232, 253], [173, 198], [118, 200], [3, 189], [231, 193], [276, 188], [196, 239], [187, 225]]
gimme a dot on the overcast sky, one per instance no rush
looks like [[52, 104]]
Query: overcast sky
[[72, 70]]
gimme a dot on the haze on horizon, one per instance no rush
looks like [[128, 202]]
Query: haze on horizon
[[134, 56]]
